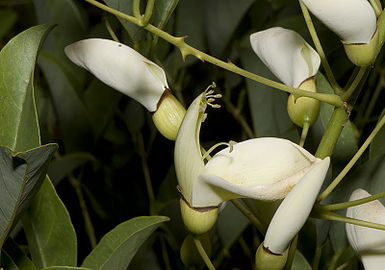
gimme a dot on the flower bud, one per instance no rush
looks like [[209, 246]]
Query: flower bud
[[168, 116], [198, 220], [189, 253], [265, 260], [304, 109]]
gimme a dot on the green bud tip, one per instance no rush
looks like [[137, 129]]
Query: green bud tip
[[169, 115]]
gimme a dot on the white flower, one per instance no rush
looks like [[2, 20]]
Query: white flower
[[286, 54], [261, 168], [367, 242], [122, 68], [127, 71], [354, 21], [294, 210]]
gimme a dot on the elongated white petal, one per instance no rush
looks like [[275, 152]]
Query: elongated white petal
[[354, 21], [369, 243], [261, 168], [187, 154], [295, 209], [286, 54], [122, 68]]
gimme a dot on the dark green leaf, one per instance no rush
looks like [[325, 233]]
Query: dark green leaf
[[65, 268], [267, 105], [162, 12], [7, 262], [50, 234], [222, 17], [377, 147], [299, 262], [20, 177], [19, 129], [18, 256], [116, 249], [61, 167], [73, 116], [69, 18], [8, 18]]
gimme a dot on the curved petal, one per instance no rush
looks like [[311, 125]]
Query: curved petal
[[369, 243], [286, 54], [295, 209], [354, 21], [122, 68], [187, 154], [261, 168]]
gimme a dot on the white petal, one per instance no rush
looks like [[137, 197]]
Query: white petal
[[295, 209], [187, 154], [122, 68], [369, 243], [354, 21], [261, 168], [286, 54]]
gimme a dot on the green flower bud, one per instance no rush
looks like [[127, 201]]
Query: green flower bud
[[265, 260], [168, 116], [198, 220], [363, 54], [304, 109], [189, 253]]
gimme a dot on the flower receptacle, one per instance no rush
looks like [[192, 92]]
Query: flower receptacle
[[266, 260], [198, 220], [363, 54], [169, 115]]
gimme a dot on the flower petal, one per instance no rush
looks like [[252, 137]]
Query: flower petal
[[354, 21], [261, 168], [295, 209], [187, 154], [122, 68], [369, 243], [286, 54]]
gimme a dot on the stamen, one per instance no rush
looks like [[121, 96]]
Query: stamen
[[204, 117], [230, 144]]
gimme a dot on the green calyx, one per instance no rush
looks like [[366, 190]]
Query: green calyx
[[198, 220], [363, 54], [265, 260], [304, 110], [169, 115]]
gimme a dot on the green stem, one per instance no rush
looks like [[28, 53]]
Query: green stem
[[253, 219], [305, 130], [136, 9], [338, 206], [203, 253], [251, 207], [292, 250], [335, 217], [146, 170], [186, 49], [333, 131], [110, 30], [148, 12], [317, 257], [319, 48], [354, 159], [354, 84]]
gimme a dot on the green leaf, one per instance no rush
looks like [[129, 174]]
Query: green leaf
[[7, 262], [8, 18], [267, 105], [116, 249], [18, 257], [73, 116], [299, 262], [62, 166], [377, 146], [162, 12], [222, 18], [70, 20], [19, 129], [50, 234], [346, 145], [20, 177]]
